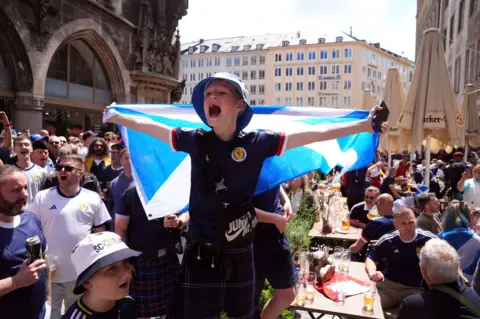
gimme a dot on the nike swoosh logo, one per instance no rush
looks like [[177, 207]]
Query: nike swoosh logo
[[235, 234]]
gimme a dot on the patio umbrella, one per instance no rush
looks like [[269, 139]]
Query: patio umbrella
[[394, 97], [430, 109], [367, 100], [471, 127]]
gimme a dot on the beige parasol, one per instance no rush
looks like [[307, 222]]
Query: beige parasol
[[367, 100], [471, 127], [430, 109], [394, 98]]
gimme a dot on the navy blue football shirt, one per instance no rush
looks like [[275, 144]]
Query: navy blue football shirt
[[240, 161], [26, 302], [402, 257]]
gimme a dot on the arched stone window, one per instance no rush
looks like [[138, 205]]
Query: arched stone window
[[5, 77], [76, 73]]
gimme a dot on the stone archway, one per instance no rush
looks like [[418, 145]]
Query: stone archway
[[15, 55], [93, 34]]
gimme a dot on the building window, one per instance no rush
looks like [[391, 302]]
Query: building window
[[288, 101], [348, 53], [253, 102], [245, 60], [369, 56], [323, 69], [364, 69], [259, 47], [193, 63], [289, 71], [209, 62], [311, 70], [374, 73], [237, 73], [76, 72], [246, 47], [334, 100], [347, 69], [335, 69], [299, 86], [253, 60], [369, 72], [261, 74], [335, 54], [185, 76], [303, 42], [285, 43], [288, 86], [261, 102], [278, 72], [323, 54], [200, 76], [200, 63], [323, 86], [452, 28], [289, 56], [347, 100], [235, 49], [278, 87], [278, 57], [347, 85], [380, 75], [261, 89], [262, 59], [374, 90], [300, 56], [321, 40], [209, 74], [253, 75], [236, 61], [300, 70], [277, 101], [456, 81], [461, 13], [191, 90], [363, 85], [215, 47], [335, 85], [311, 86], [312, 55], [217, 61], [323, 101], [245, 75], [339, 39], [299, 101], [253, 89], [364, 54], [311, 101], [192, 77]]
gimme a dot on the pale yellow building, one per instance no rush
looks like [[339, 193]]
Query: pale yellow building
[[295, 69], [329, 71]]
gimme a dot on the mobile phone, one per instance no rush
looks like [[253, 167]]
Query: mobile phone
[[379, 117]]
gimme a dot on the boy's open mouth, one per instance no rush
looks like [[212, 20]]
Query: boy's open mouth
[[63, 178], [214, 110]]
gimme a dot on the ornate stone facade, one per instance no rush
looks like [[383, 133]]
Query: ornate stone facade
[[75, 56]]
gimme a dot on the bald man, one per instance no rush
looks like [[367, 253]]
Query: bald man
[[378, 227]]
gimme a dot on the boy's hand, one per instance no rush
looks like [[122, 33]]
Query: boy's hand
[[287, 211], [384, 127]]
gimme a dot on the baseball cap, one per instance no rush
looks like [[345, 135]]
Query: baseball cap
[[458, 154], [198, 96], [95, 252], [88, 134], [40, 144], [37, 137]]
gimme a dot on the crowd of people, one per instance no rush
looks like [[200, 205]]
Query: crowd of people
[[103, 258]]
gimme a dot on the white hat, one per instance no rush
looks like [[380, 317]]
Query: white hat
[[95, 252]]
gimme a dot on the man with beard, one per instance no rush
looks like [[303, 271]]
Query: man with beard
[[53, 147], [97, 158], [68, 214], [22, 286], [36, 175]]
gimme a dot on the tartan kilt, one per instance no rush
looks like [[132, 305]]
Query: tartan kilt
[[204, 293], [154, 282]]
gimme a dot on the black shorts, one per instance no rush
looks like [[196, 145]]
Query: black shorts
[[273, 261]]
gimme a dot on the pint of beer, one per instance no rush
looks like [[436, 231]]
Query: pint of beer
[[409, 187], [345, 224], [368, 301]]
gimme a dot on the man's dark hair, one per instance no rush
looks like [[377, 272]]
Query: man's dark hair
[[91, 151], [424, 198]]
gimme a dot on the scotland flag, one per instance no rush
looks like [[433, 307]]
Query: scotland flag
[[163, 176]]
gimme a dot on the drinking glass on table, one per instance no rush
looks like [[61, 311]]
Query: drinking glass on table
[[340, 289], [310, 289], [369, 298], [346, 258], [337, 255]]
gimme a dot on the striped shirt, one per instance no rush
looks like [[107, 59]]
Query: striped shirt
[[124, 309], [402, 257]]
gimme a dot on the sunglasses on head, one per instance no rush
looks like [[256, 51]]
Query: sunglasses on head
[[67, 169]]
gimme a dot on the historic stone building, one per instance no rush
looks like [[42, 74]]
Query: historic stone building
[[62, 61]]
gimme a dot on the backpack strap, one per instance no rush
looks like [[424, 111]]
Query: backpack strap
[[459, 297]]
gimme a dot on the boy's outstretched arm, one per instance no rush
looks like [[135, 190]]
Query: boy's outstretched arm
[[332, 131]]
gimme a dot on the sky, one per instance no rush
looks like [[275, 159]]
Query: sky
[[390, 22]]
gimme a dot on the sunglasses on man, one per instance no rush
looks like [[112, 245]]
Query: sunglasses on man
[[67, 168]]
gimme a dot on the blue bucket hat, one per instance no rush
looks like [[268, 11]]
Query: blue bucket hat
[[199, 94]]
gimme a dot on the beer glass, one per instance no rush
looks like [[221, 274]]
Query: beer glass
[[346, 258], [345, 223], [52, 261], [369, 299], [337, 255], [310, 289]]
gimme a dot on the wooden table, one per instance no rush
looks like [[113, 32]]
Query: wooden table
[[353, 305], [352, 235]]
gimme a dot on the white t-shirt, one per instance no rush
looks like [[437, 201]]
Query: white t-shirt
[[66, 221], [471, 193], [36, 177]]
